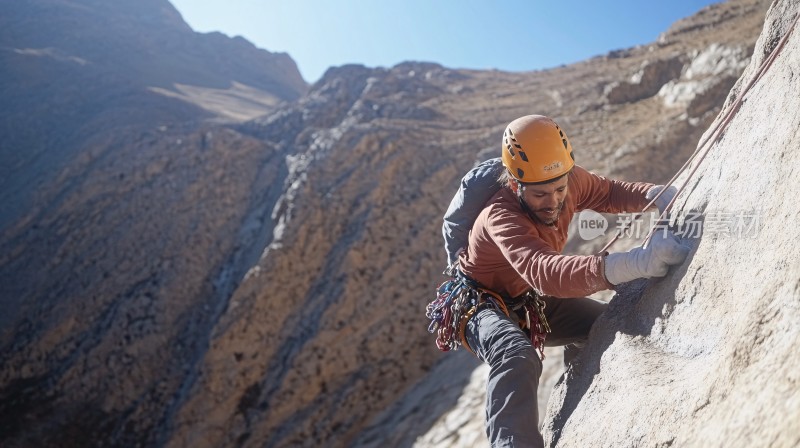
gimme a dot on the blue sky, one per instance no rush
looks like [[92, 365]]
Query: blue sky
[[512, 35]]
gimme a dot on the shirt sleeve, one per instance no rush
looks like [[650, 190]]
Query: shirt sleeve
[[477, 187], [604, 195], [545, 270]]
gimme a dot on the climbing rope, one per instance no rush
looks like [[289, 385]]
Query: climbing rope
[[703, 148]]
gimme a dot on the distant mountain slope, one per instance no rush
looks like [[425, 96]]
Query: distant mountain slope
[[73, 70]]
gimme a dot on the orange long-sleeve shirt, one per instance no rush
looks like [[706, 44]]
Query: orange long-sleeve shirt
[[510, 253]]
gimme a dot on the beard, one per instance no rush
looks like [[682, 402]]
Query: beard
[[549, 216]]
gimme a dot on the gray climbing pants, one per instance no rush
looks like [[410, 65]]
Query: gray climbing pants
[[512, 411]]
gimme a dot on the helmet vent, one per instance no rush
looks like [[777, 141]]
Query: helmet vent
[[511, 151], [520, 173], [523, 155], [508, 145], [564, 141]]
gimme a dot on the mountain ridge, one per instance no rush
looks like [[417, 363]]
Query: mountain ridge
[[72, 71]]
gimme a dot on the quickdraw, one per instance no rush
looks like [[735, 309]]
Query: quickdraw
[[536, 323], [459, 298], [444, 312], [456, 302]]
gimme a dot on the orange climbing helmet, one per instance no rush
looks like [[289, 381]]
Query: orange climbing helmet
[[535, 150]]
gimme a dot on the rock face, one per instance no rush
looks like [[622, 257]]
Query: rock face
[[171, 278], [646, 82], [712, 346]]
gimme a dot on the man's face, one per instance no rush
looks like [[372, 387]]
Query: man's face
[[547, 200]]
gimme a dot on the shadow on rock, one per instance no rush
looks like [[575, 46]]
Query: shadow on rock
[[633, 311]]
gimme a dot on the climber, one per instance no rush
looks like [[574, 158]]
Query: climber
[[512, 291]]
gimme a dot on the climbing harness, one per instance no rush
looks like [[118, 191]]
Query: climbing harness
[[460, 298], [703, 148]]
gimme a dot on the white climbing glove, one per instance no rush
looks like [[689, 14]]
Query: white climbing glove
[[662, 200], [663, 251]]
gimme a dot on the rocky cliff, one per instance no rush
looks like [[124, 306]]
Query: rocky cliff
[[124, 209], [713, 345], [182, 281]]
